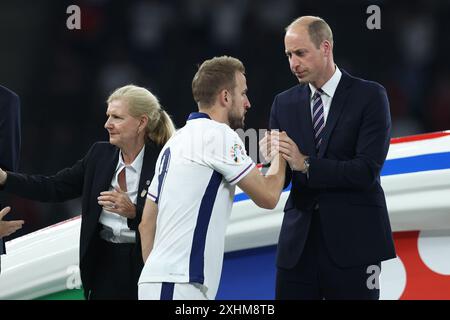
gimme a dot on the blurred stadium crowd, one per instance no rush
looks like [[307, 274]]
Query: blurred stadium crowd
[[63, 77]]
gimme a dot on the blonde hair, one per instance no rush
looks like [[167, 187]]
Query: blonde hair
[[142, 102]]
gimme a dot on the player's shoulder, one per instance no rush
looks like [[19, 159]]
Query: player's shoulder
[[218, 136], [213, 128], [223, 131]]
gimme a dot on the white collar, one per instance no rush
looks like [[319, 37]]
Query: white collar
[[136, 165], [329, 88]]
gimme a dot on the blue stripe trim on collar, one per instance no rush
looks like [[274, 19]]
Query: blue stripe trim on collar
[[198, 115]]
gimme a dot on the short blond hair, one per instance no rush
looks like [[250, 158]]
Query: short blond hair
[[142, 102]]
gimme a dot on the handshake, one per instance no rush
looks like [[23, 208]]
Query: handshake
[[7, 227], [279, 143]]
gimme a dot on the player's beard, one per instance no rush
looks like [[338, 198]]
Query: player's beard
[[235, 119]]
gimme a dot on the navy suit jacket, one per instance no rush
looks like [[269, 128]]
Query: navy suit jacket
[[9, 135], [344, 177], [87, 178]]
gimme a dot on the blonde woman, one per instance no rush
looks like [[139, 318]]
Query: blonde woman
[[112, 180]]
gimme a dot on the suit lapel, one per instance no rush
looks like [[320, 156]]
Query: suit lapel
[[103, 175], [305, 120], [336, 108], [150, 156]]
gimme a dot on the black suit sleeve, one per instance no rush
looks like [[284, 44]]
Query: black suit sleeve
[[64, 185], [275, 125], [371, 150], [9, 130]]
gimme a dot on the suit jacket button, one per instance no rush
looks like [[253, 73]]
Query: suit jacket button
[[143, 193]]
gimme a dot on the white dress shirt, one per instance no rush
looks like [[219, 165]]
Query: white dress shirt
[[329, 88], [114, 223]]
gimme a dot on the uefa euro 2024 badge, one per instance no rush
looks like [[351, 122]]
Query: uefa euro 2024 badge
[[237, 153]]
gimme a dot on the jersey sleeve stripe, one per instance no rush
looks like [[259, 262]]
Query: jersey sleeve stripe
[[240, 174], [151, 197]]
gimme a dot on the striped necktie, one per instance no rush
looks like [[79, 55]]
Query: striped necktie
[[318, 118]]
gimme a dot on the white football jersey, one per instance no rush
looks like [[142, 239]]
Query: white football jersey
[[194, 183]]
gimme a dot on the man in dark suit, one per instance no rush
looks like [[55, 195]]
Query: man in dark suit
[[334, 131], [112, 180], [9, 151]]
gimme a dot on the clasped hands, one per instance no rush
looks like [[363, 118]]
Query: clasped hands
[[8, 227], [275, 142], [117, 201]]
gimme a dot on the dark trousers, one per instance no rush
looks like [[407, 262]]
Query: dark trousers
[[317, 277], [117, 272]]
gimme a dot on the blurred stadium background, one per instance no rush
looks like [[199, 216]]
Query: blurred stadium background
[[63, 77]]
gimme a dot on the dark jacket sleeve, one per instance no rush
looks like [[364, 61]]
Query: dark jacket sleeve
[[371, 151], [64, 185], [9, 130]]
